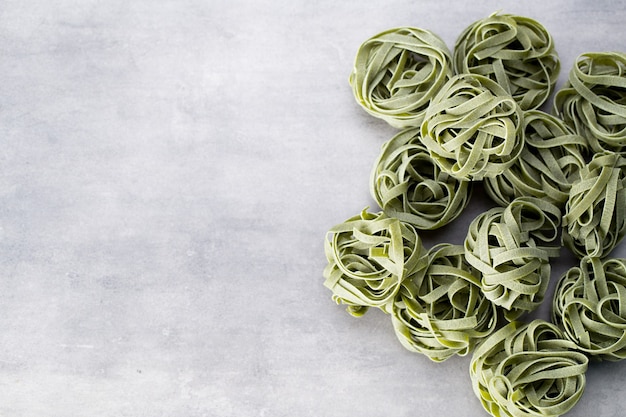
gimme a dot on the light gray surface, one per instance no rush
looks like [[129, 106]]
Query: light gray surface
[[168, 170]]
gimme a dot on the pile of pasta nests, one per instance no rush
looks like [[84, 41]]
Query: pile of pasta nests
[[557, 178]]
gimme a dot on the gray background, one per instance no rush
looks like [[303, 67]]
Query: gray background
[[168, 170]]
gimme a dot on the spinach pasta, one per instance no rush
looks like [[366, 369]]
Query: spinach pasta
[[528, 370], [440, 310], [515, 51], [550, 162], [397, 73], [369, 255], [474, 120], [512, 247], [594, 221], [589, 304], [472, 128], [408, 185], [593, 101]]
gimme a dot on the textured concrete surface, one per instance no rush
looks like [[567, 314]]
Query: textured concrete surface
[[168, 170]]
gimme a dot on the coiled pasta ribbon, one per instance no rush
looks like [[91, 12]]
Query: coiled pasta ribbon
[[593, 101], [440, 311], [397, 72], [528, 370], [511, 247], [590, 306], [408, 185], [369, 255], [472, 128], [595, 213], [548, 165], [515, 51]]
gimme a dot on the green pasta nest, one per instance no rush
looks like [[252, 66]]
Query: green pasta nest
[[440, 310], [550, 162], [556, 179], [369, 255], [397, 72], [515, 51], [472, 128], [528, 370], [595, 213], [511, 247], [593, 101], [589, 305], [408, 185]]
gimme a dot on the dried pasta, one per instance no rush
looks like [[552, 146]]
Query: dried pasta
[[369, 255], [548, 165], [589, 304], [511, 247], [593, 101], [408, 185], [440, 311], [472, 128], [528, 370], [515, 51], [595, 213], [397, 72]]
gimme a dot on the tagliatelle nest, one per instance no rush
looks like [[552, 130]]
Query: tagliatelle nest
[[528, 370], [512, 247], [559, 180], [589, 305], [515, 51], [593, 101], [472, 128], [369, 255], [397, 72], [595, 214], [440, 311], [548, 165], [408, 185]]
